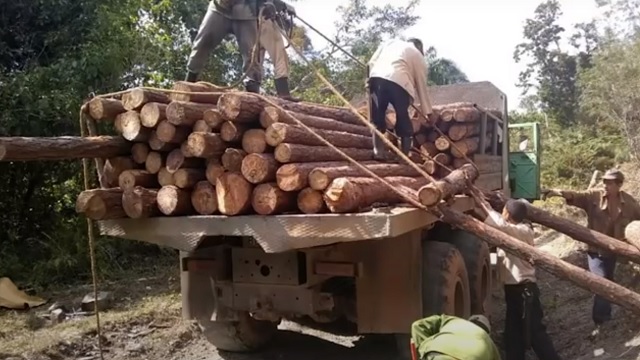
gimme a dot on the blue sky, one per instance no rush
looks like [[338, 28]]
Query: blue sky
[[479, 35]]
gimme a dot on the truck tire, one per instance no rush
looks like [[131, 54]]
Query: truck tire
[[477, 260], [445, 283], [245, 335]]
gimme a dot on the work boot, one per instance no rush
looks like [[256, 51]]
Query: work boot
[[380, 151], [252, 86], [406, 143], [191, 77], [282, 88]]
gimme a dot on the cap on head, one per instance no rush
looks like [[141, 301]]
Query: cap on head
[[481, 321], [517, 209], [418, 44], [613, 174]]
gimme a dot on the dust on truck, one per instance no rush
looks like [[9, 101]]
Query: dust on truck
[[379, 270]]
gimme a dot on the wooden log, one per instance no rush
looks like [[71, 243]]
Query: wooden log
[[254, 141], [139, 152], [186, 150], [311, 202], [349, 194], [176, 160], [213, 118], [140, 203], [156, 145], [279, 133], [420, 138], [114, 166], [430, 167], [271, 115], [487, 164], [152, 113], [214, 170], [458, 132], [295, 176], [173, 201], [205, 145], [129, 179], [165, 177], [234, 194], [137, 98], [429, 150], [155, 161], [548, 262], [453, 184], [101, 204], [269, 199], [182, 113], [632, 233], [105, 109], [203, 198], [232, 132], [465, 147], [188, 178], [467, 114], [201, 126], [210, 98], [131, 127], [61, 148], [321, 177], [232, 159], [259, 168], [288, 153], [442, 143], [169, 133]]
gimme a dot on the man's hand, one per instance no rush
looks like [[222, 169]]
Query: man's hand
[[547, 193]]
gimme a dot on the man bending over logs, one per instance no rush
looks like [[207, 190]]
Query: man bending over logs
[[397, 76]]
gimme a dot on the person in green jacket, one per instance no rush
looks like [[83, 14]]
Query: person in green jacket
[[446, 337]]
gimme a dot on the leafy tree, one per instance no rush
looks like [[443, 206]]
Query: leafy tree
[[443, 71]]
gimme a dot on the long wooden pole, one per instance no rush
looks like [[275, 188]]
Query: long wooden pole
[[61, 148]]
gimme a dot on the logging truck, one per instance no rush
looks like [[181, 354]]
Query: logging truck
[[372, 272]]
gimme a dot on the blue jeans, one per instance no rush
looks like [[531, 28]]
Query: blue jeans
[[605, 267]]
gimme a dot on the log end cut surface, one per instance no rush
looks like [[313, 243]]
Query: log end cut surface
[[234, 193], [203, 198]]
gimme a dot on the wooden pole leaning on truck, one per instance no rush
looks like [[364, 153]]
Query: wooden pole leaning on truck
[[62, 147]]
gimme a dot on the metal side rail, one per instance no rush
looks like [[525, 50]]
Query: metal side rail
[[277, 233]]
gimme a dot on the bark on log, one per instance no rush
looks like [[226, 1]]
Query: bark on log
[[140, 203], [203, 198], [165, 178], [321, 177], [129, 179], [201, 126], [271, 115], [152, 113], [429, 150], [214, 170], [101, 204], [240, 107], [259, 168], [234, 194], [181, 113], [61, 148], [131, 127], [311, 202], [113, 167], [632, 233], [155, 161], [465, 147], [452, 184], [350, 194], [139, 152], [279, 133], [211, 98], [288, 153], [269, 199], [188, 178], [295, 176], [466, 114], [254, 141], [213, 118], [137, 98], [232, 159], [176, 160], [232, 132], [205, 145], [156, 145], [590, 282], [442, 143], [458, 132], [173, 201], [169, 133], [105, 109]]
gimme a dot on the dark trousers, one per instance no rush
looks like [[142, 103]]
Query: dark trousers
[[384, 92], [523, 324], [604, 266]]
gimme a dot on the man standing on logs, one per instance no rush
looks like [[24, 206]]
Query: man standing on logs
[[240, 18], [609, 211], [397, 76]]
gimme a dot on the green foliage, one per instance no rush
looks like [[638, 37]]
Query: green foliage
[[443, 71]]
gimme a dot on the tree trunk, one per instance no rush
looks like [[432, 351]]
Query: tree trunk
[[140, 203], [269, 199], [349, 194], [211, 98], [188, 178], [181, 113], [213, 118], [137, 98], [173, 201], [113, 167], [259, 168], [295, 176], [176, 160], [205, 145], [453, 184], [310, 201], [458, 132], [234, 194], [271, 115], [240, 107], [214, 170], [165, 177], [155, 161], [232, 132], [590, 282], [467, 114], [201, 126], [156, 145], [61, 148], [232, 159], [101, 204], [152, 113], [139, 152], [442, 143], [105, 109], [129, 179], [203, 198], [169, 133], [254, 141], [131, 127], [321, 177], [465, 147], [632, 233], [428, 149], [342, 114], [279, 133], [288, 153]]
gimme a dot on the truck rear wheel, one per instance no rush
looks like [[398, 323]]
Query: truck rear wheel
[[244, 335], [445, 283]]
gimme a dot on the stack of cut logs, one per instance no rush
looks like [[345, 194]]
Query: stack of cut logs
[[233, 153]]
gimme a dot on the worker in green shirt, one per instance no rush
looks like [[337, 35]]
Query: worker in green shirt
[[446, 337]]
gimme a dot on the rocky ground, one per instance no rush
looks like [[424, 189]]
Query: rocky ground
[[144, 323]]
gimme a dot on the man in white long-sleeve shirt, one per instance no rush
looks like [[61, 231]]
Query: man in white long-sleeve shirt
[[397, 76], [523, 321]]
